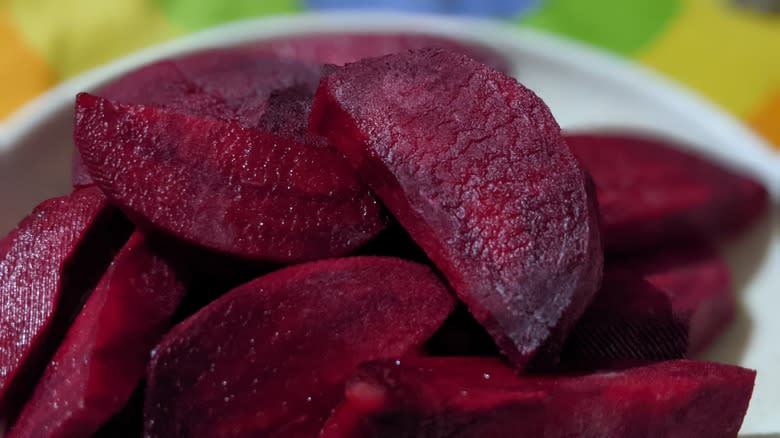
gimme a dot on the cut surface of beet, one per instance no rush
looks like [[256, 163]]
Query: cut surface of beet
[[698, 283], [470, 397], [651, 193], [629, 323], [104, 355], [48, 266], [270, 357], [345, 48], [229, 188], [474, 167], [664, 305]]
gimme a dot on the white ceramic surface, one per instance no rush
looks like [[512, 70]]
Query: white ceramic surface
[[584, 88]]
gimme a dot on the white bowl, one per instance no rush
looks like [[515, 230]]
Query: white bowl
[[585, 88]]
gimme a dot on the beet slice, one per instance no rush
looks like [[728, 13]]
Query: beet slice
[[345, 48], [225, 84], [105, 352], [651, 193], [48, 266], [222, 186], [444, 397], [474, 167], [270, 357], [698, 283], [665, 305], [629, 323]]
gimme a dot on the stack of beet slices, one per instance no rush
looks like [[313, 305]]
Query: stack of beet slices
[[263, 244]]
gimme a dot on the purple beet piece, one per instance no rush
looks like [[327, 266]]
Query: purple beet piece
[[345, 48], [651, 193], [48, 266], [468, 397], [474, 167], [630, 322], [226, 84], [228, 188], [698, 283], [104, 355], [665, 305], [270, 358]]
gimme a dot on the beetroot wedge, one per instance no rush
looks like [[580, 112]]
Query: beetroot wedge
[[228, 188], [340, 49], [653, 194], [48, 265], [480, 398], [474, 167], [105, 352], [698, 283], [225, 84], [630, 322], [270, 357]]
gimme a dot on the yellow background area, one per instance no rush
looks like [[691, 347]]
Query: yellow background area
[[732, 56], [23, 73]]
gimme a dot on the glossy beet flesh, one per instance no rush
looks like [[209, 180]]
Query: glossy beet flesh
[[651, 193], [270, 357], [630, 322], [474, 167], [698, 283], [481, 398], [223, 186], [48, 265], [104, 354], [340, 49]]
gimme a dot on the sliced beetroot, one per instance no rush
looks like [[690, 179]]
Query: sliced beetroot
[[104, 355], [270, 357], [344, 48], [445, 397], [474, 167], [698, 283], [48, 266], [630, 322], [665, 305], [222, 186], [226, 84], [651, 193]]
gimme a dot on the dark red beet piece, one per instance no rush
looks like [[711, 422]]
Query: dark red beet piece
[[629, 323], [48, 266], [270, 357], [224, 84], [651, 193], [340, 49], [698, 283], [474, 167], [480, 398], [222, 186], [105, 352], [657, 306]]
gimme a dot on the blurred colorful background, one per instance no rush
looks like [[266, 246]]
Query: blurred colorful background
[[726, 50]]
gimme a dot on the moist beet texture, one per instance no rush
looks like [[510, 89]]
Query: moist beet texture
[[236, 85], [446, 397], [652, 194], [222, 186], [698, 283], [342, 49], [48, 266], [270, 357], [630, 322], [474, 167], [105, 352], [664, 305]]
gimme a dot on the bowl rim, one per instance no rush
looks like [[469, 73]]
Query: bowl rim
[[754, 152]]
